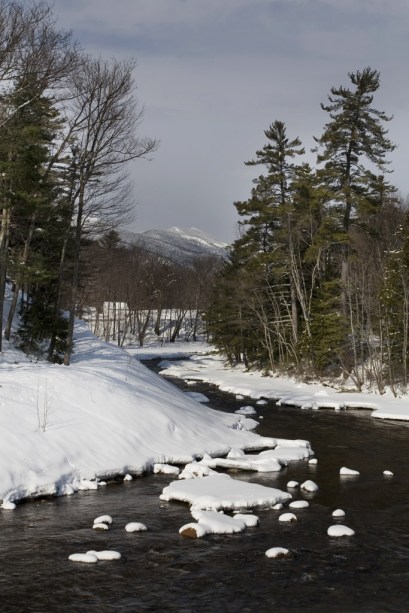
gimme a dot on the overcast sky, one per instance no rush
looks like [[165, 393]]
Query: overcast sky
[[212, 75]]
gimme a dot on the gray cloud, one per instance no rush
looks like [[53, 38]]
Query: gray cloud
[[214, 74]]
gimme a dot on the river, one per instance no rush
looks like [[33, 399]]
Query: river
[[160, 571]]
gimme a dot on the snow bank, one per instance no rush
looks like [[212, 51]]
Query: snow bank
[[62, 427], [212, 369]]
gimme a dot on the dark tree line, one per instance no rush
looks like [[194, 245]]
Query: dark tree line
[[317, 283], [68, 126]]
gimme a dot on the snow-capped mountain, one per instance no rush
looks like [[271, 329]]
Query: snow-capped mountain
[[178, 244]]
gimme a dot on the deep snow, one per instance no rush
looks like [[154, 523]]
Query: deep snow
[[63, 428]]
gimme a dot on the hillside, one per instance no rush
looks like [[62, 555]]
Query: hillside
[[179, 245]]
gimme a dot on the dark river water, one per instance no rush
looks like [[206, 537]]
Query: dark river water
[[164, 572]]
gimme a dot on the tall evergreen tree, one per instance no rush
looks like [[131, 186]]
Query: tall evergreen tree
[[354, 135], [34, 216]]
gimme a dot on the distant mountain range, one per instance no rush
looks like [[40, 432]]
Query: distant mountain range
[[179, 245]]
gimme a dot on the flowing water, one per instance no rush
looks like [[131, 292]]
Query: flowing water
[[163, 572]]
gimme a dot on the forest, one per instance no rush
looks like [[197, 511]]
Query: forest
[[317, 285]]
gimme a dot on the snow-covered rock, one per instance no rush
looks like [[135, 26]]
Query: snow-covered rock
[[135, 526], [105, 554], [100, 526], [278, 552], [288, 517], [349, 472], [339, 530], [85, 558], [103, 519], [299, 504], [219, 491], [166, 469], [247, 410], [309, 486]]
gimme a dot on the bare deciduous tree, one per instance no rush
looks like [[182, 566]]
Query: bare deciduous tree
[[104, 117]]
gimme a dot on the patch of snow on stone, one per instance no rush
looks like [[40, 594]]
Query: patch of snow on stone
[[250, 520], [218, 523], [287, 517], [194, 530], [338, 513], [100, 526], [299, 504], [309, 486], [266, 461], [197, 470], [340, 530], [8, 505], [166, 469], [85, 558], [103, 519], [220, 491], [135, 526], [247, 410], [105, 554], [348, 472], [278, 552]]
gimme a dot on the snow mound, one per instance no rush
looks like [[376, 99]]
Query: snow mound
[[299, 504], [105, 554], [103, 519], [135, 526], [219, 491], [250, 520], [100, 526], [166, 469], [288, 517], [309, 486], [248, 410], [85, 558], [338, 530], [278, 552], [349, 472]]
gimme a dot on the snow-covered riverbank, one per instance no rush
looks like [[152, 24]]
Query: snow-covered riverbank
[[105, 415], [212, 369]]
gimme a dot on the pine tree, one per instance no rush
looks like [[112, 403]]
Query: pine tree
[[34, 217], [355, 134]]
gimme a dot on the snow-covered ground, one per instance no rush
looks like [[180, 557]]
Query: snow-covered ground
[[212, 369], [63, 428]]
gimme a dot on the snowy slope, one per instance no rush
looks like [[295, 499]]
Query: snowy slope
[[179, 245], [104, 415]]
